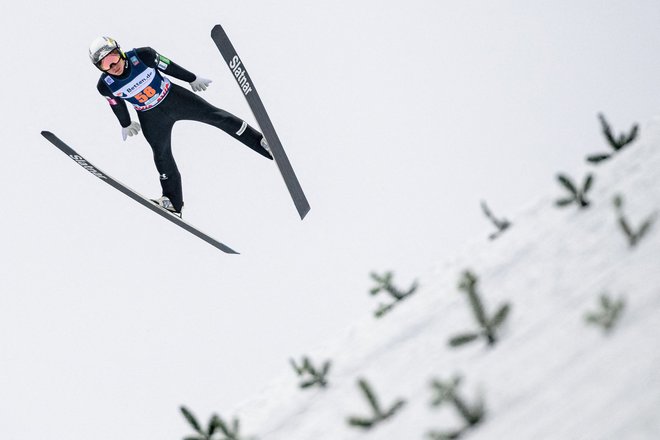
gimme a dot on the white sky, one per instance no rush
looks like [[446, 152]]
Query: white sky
[[398, 117]]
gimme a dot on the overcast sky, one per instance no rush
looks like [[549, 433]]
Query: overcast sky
[[398, 117]]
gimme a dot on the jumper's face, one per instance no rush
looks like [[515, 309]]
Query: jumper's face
[[112, 63]]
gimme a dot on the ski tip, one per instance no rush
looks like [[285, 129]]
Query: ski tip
[[46, 133], [217, 28]]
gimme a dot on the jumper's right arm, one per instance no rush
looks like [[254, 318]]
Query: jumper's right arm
[[117, 105]]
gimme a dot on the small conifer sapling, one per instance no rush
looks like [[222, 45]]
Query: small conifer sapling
[[216, 425], [446, 393], [230, 431], [309, 374], [444, 435], [633, 236], [378, 414], [488, 326], [501, 224], [202, 434], [608, 314], [616, 143], [577, 195], [384, 284]]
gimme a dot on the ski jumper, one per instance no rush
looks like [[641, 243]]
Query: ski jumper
[[159, 104]]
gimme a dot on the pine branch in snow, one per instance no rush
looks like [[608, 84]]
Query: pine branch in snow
[[215, 425], [384, 284], [316, 376], [608, 314], [617, 143], [633, 236], [489, 326], [577, 196], [448, 435], [446, 392], [194, 423], [379, 414], [501, 224], [230, 431]]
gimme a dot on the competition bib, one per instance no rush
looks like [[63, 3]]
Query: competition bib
[[144, 87]]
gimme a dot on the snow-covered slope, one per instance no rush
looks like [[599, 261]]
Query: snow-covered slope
[[551, 376]]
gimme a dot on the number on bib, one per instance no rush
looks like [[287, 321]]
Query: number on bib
[[144, 96]]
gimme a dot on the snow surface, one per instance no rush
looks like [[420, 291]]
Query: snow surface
[[551, 376]]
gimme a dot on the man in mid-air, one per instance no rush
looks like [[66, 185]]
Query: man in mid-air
[[135, 76]]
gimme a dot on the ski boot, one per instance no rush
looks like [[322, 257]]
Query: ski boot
[[165, 203], [265, 146]]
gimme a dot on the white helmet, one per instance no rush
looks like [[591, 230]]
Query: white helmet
[[100, 47]]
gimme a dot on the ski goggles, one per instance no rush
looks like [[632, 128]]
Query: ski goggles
[[109, 61]]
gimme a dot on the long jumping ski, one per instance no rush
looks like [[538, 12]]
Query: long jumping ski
[[132, 194], [246, 84]]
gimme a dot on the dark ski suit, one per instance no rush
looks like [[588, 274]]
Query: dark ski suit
[[159, 104]]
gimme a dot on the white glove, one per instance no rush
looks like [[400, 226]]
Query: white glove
[[131, 130], [200, 84]]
